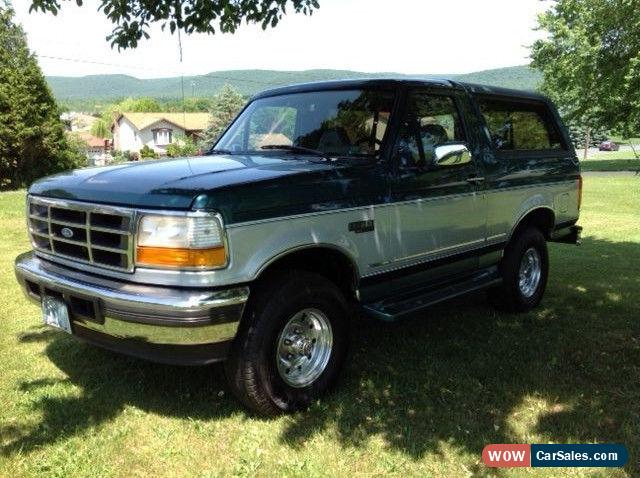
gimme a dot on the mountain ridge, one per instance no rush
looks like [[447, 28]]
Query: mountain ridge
[[248, 82]]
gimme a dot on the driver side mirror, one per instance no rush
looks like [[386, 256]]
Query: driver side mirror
[[446, 155]]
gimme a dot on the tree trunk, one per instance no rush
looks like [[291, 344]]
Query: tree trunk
[[587, 141], [633, 149]]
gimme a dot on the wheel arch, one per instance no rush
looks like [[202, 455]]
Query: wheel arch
[[542, 217], [328, 260]]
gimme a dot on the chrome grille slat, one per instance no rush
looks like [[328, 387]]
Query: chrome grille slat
[[70, 241], [108, 249], [82, 249], [87, 228], [108, 230], [82, 225], [49, 229]]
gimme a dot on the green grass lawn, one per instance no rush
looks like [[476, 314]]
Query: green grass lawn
[[418, 398], [612, 161], [610, 164]]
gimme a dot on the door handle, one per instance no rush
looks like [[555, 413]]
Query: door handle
[[475, 179]]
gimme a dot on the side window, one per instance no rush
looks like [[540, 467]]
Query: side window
[[519, 125], [430, 121]]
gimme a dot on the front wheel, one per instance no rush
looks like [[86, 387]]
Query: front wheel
[[524, 269], [292, 344]]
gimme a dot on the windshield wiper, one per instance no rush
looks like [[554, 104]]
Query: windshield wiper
[[298, 149], [218, 151]]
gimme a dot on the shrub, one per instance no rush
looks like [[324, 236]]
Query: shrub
[[183, 146], [122, 157], [147, 153]]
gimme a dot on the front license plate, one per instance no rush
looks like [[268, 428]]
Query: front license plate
[[55, 313]]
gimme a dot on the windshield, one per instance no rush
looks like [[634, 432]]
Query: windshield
[[335, 123]]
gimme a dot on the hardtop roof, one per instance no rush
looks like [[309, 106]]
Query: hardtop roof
[[398, 82]]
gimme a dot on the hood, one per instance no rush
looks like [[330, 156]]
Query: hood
[[170, 184]]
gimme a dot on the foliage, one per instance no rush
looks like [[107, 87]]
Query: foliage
[[578, 133], [590, 59], [130, 105], [32, 139], [76, 143], [190, 105], [147, 153], [182, 146], [133, 19], [139, 105], [101, 129], [123, 157], [226, 105], [93, 93]]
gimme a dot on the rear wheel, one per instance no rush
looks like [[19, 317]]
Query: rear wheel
[[292, 344], [524, 269]]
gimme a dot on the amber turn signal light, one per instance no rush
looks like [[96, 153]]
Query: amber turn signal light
[[580, 180], [169, 257]]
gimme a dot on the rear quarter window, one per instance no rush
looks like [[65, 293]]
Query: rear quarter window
[[520, 125]]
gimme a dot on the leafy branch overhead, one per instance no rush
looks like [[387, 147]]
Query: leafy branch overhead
[[133, 18]]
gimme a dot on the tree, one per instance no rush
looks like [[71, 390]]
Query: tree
[[590, 60], [226, 105], [134, 17], [101, 129], [139, 105], [130, 105], [32, 138]]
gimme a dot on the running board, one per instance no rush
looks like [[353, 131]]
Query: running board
[[395, 307]]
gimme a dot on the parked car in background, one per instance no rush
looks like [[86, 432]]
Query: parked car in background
[[609, 146], [383, 196]]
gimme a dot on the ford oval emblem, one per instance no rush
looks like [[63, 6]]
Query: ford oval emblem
[[66, 232]]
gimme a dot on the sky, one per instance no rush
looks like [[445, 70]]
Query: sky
[[401, 36]]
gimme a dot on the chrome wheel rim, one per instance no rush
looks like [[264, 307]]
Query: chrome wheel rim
[[530, 272], [304, 348]]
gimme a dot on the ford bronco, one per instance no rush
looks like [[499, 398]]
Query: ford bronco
[[319, 200]]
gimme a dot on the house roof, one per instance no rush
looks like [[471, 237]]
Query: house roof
[[186, 121], [91, 140]]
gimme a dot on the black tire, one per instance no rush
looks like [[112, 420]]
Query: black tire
[[509, 295], [252, 370]]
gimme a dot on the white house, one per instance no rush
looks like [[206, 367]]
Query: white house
[[132, 131]]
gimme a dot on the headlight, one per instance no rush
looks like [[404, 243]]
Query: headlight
[[181, 241]]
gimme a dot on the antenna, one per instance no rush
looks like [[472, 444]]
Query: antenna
[[184, 106]]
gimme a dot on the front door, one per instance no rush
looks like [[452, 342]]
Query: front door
[[438, 209]]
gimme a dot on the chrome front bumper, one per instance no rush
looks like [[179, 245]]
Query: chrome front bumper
[[164, 324]]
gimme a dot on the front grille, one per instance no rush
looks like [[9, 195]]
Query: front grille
[[86, 233]]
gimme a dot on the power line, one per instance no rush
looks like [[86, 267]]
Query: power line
[[91, 62]]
